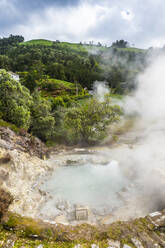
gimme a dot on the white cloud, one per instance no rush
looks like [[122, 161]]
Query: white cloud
[[127, 15], [64, 23], [136, 21], [7, 7], [74, 24]]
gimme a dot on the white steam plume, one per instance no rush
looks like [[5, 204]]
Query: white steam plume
[[149, 99], [146, 161], [101, 89], [141, 165]]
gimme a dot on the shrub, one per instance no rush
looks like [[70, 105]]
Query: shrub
[[15, 101], [87, 123], [9, 125], [42, 123]]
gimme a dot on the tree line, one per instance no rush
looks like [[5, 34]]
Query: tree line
[[74, 65]]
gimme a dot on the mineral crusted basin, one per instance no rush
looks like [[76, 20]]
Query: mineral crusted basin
[[83, 192]]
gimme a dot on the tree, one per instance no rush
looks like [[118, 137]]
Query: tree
[[42, 124], [56, 70], [32, 78], [87, 123], [5, 62], [120, 44], [12, 40], [15, 101]]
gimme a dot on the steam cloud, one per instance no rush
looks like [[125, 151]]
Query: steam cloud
[[142, 164], [100, 90], [146, 161]]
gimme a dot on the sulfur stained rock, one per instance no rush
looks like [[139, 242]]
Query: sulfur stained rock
[[61, 219], [137, 243], [6, 158], [106, 219], [4, 174], [5, 200], [23, 142]]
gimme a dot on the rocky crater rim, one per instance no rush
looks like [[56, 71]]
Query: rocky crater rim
[[24, 176]]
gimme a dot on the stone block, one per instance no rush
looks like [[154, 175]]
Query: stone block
[[82, 214]]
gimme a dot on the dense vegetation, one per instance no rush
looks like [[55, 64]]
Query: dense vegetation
[[55, 118], [51, 99], [118, 64]]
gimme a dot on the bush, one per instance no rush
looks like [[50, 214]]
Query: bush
[[9, 125], [15, 101], [42, 123], [57, 101], [87, 123]]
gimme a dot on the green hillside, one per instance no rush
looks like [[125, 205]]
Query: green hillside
[[37, 42], [73, 62], [65, 45], [51, 99], [55, 87], [78, 46]]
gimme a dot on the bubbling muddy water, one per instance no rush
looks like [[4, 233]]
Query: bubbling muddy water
[[90, 185]]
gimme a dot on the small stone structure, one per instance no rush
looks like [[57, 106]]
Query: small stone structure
[[81, 213]]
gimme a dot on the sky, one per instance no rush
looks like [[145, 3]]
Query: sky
[[139, 22]]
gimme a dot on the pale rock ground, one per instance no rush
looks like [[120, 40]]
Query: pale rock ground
[[23, 174]]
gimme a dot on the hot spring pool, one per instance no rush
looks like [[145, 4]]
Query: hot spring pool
[[95, 186]]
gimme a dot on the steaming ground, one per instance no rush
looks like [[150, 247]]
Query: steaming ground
[[132, 186], [89, 185]]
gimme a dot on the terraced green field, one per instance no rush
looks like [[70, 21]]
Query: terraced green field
[[76, 46]]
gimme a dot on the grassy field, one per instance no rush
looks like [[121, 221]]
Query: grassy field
[[37, 42], [55, 87], [76, 46], [132, 49], [56, 84], [117, 96], [60, 83], [73, 46], [41, 42]]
